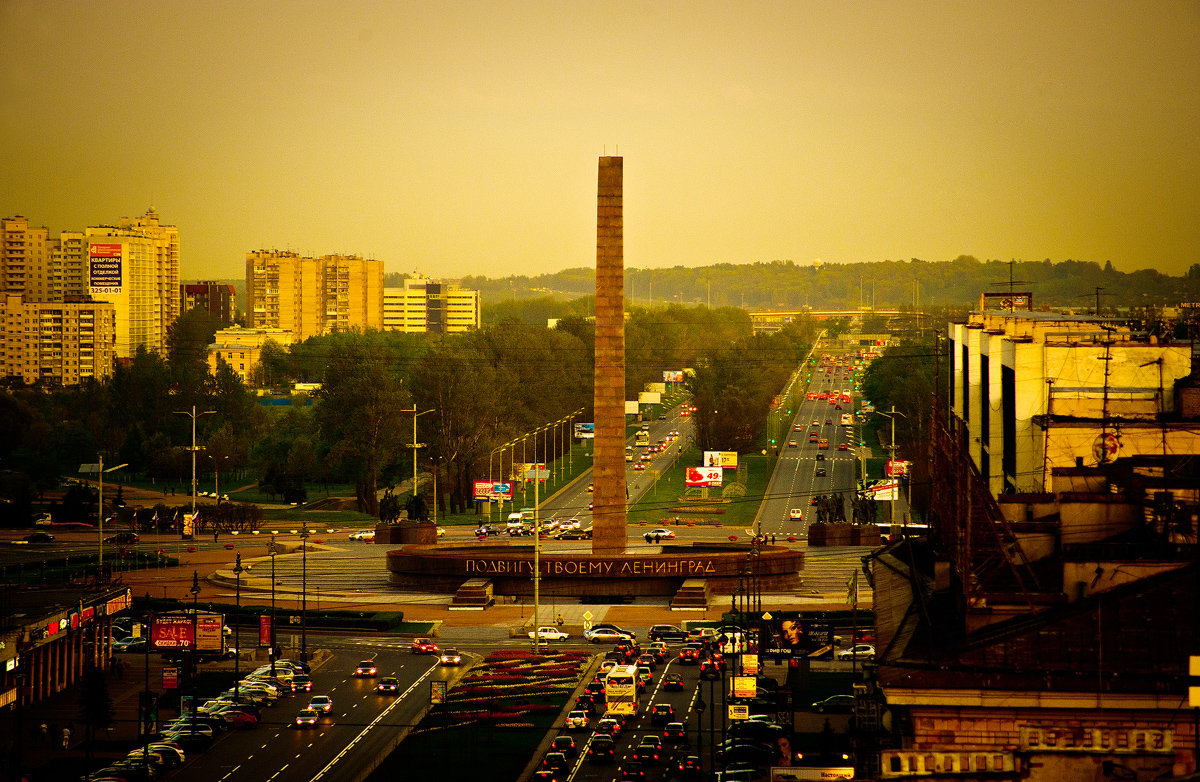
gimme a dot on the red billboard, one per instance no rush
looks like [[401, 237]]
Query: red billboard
[[264, 630], [703, 476], [175, 631]]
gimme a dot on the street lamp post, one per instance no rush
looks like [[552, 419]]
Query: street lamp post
[[304, 593], [217, 475], [99, 469], [415, 445], [237, 630], [274, 652], [194, 415], [195, 590]]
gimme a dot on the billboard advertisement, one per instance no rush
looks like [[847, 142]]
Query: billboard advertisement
[[585, 431], [721, 459], [649, 398], [883, 491], [703, 476], [174, 631], [896, 468], [487, 491], [673, 376], [104, 268], [793, 636], [631, 407]]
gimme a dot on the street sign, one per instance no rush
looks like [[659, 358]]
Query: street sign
[[738, 712]]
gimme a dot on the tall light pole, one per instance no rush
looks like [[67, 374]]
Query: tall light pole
[[891, 414], [415, 445], [304, 593], [195, 590], [237, 630], [217, 474], [274, 652], [98, 468], [194, 415]]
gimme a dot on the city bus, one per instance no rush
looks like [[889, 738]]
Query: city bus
[[642, 439], [621, 690]]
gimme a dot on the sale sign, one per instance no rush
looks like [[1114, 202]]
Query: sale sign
[[703, 476]]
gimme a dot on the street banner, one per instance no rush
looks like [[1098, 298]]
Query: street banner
[[264, 631]]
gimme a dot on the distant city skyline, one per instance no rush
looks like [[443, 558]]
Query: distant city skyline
[[461, 138]]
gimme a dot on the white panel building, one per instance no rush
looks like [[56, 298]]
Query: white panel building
[[1039, 390]]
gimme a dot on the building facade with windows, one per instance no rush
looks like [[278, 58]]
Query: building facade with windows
[[425, 305], [134, 265], [313, 296], [216, 299], [1040, 390], [241, 348], [56, 343]]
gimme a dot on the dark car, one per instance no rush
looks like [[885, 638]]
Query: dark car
[[586, 702], [661, 713], [675, 732], [667, 633], [389, 685], [835, 703], [601, 749], [632, 771], [565, 745], [648, 660], [648, 752], [122, 537], [689, 767], [757, 731], [690, 654], [711, 669], [672, 681], [556, 761], [38, 537]]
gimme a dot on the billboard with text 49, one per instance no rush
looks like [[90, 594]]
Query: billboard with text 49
[[703, 476]]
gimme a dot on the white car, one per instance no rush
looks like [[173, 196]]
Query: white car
[[549, 634], [861, 651], [659, 534], [362, 534], [796, 514], [577, 720]]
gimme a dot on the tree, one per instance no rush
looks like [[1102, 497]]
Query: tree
[[357, 412]]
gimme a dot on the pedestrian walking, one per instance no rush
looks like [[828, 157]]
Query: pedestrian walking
[[66, 737]]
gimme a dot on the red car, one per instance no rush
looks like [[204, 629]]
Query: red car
[[424, 646], [843, 447]]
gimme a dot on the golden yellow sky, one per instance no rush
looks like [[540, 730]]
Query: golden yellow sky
[[456, 138]]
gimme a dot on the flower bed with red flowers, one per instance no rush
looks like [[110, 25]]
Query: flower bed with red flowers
[[499, 710]]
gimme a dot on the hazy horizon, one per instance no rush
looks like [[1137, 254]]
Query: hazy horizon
[[461, 138]]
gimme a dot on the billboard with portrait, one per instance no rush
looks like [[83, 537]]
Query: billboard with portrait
[[794, 636]]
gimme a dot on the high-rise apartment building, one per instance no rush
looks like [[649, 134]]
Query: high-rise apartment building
[[216, 299], [427, 305], [135, 266], [54, 333], [313, 296], [56, 343]]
